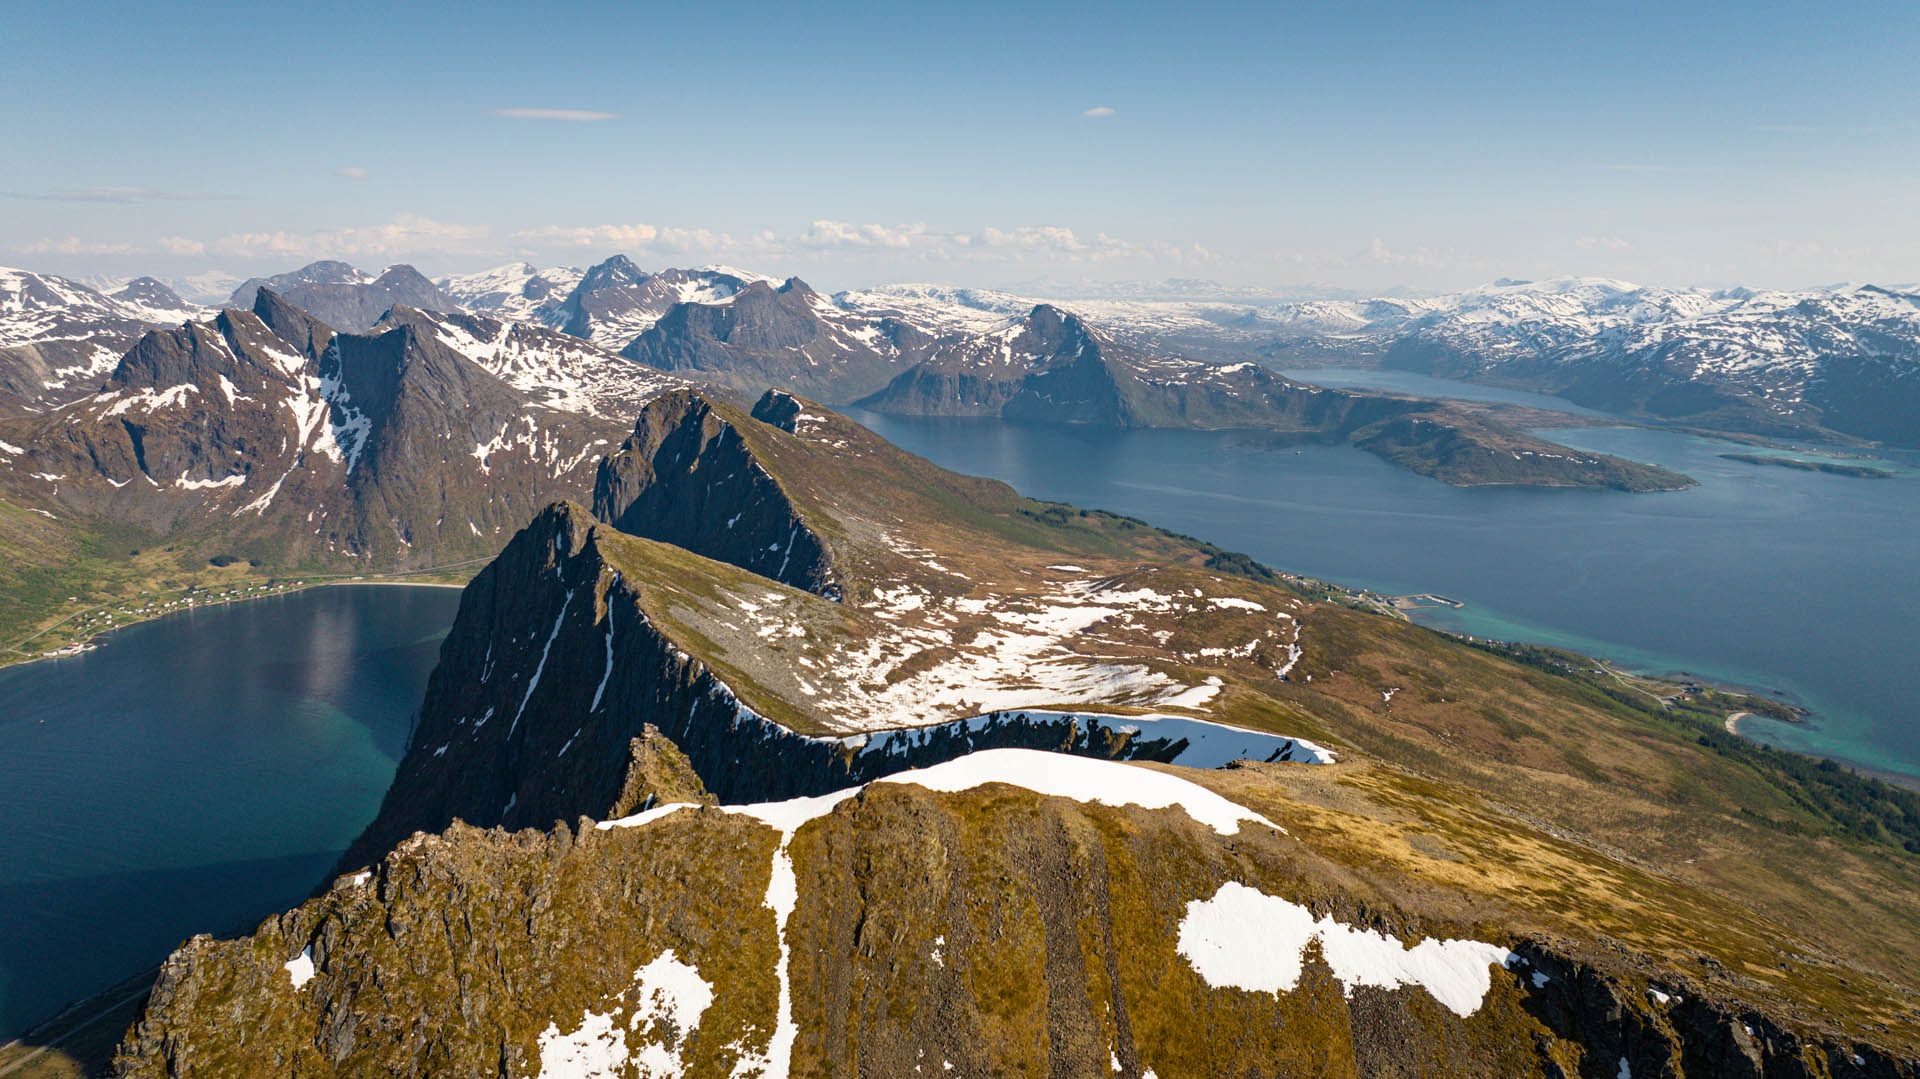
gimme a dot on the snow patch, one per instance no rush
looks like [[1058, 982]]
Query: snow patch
[[300, 967], [1243, 938]]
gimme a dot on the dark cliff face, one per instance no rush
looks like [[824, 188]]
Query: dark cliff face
[[991, 931], [686, 476], [307, 335], [552, 669], [559, 660]]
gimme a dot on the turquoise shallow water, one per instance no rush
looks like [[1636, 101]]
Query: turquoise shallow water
[[1800, 582], [194, 774]]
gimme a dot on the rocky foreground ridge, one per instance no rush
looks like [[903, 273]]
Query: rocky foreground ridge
[[666, 814]]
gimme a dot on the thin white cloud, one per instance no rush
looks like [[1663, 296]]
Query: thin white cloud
[[822, 243], [836, 240], [578, 116], [1601, 243], [116, 194], [74, 245], [350, 172], [408, 234], [1098, 112], [634, 237]]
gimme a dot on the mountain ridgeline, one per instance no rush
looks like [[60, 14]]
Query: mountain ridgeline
[[687, 477], [344, 297], [264, 433], [577, 871]]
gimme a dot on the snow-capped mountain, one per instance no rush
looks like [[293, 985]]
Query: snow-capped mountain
[[1838, 361], [42, 307], [616, 301], [1843, 361], [341, 295], [58, 337], [553, 369], [517, 292], [1196, 325], [264, 431]]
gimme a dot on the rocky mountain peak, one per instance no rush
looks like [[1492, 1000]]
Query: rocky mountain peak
[[290, 324], [149, 292], [689, 476], [404, 278], [1057, 332], [779, 408], [613, 272]]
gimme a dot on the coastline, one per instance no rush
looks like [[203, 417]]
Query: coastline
[[1735, 722], [16, 656]]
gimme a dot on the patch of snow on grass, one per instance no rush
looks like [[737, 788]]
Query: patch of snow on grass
[[1243, 938], [300, 967], [1233, 602], [672, 998], [598, 1050]]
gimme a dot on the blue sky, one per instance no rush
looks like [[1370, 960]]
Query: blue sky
[[1359, 145]]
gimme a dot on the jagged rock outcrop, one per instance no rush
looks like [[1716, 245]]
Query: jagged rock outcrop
[[687, 476], [658, 773]]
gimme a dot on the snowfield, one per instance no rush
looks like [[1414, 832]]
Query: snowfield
[[1243, 938]]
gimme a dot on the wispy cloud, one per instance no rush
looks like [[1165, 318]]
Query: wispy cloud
[[74, 245], [635, 237], [117, 194], [350, 172], [577, 116], [1601, 243], [829, 239], [407, 234], [822, 242], [1099, 112]]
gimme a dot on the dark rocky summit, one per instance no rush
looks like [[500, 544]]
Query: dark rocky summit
[[686, 476]]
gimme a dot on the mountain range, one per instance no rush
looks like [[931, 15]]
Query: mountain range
[[342, 296], [57, 335], [795, 754], [263, 433]]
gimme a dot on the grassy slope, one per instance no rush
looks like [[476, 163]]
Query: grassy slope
[[1813, 854]]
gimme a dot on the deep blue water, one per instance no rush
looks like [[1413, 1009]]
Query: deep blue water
[[195, 774], [1800, 582]]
